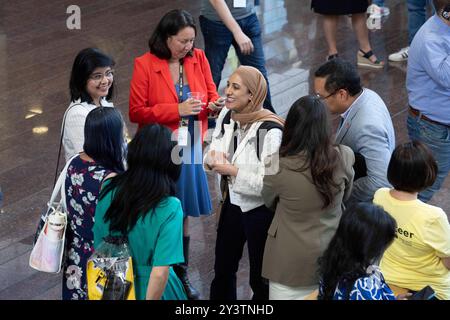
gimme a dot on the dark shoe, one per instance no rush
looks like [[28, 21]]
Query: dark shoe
[[182, 273], [191, 292], [332, 56]]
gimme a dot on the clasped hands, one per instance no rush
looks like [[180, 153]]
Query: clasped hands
[[192, 107], [218, 162]]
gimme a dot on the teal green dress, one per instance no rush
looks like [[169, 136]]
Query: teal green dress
[[156, 240]]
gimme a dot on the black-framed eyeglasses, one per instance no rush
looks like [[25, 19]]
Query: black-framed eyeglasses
[[331, 94]]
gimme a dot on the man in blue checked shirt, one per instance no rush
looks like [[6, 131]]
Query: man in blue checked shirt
[[428, 85]]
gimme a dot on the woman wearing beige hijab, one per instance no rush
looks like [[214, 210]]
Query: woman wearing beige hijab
[[245, 135]]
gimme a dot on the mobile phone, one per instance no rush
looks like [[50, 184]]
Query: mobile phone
[[426, 293]]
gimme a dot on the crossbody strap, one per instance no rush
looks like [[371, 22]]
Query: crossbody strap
[[60, 186], [61, 140]]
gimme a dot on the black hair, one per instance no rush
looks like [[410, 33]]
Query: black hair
[[307, 131], [86, 61], [440, 5], [365, 231], [169, 25], [340, 74], [412, 167], [104, 139], [151, 176]]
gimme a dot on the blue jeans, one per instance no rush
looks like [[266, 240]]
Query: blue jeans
[[379, 3], [437, 138], [417, 15], [218, 40]]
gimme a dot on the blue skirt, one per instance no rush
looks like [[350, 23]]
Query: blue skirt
[[192, 186]]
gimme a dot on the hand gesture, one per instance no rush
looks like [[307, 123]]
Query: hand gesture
[[403, 296], [225, 169], [190, 107], [215, 157], [217, 105]]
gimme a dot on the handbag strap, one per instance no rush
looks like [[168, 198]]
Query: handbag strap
[[61, 140], [60, 186]]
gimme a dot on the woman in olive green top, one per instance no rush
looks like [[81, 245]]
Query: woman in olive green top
[[140, 204], [313, 179]]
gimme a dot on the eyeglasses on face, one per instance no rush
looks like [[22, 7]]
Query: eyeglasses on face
[[99, 76], [331, 94]]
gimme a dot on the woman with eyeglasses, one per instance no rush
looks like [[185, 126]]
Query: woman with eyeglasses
[[159, 93], [91, 86]]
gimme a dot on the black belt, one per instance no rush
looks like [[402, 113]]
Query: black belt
[[417, 113]]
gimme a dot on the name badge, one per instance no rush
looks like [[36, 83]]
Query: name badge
[[183, 133], [239, 3]]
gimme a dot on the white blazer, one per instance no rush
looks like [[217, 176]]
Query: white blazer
[[245, 189], [73, 127]]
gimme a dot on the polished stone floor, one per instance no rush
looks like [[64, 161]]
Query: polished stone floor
[[36, 55]]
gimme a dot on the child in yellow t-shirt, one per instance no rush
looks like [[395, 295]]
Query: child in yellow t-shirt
[[420, 254]]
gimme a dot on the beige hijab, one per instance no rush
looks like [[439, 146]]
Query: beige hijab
[[257, 85]]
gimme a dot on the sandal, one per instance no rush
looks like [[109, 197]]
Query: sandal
[[364, 60], [332, 56]]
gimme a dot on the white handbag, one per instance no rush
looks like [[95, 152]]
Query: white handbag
[[48, 250]]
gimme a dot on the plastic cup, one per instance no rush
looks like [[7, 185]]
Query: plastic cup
[[196, 95]]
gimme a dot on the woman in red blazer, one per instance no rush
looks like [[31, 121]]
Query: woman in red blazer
[[162, 79]]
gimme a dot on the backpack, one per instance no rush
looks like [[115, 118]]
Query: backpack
[[265, 126]]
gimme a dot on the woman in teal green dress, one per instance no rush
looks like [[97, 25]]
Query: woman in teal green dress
[[140, 203]]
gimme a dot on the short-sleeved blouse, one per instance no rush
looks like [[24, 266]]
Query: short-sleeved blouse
[[155, 240]]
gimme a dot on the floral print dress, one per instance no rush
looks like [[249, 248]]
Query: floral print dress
[[83, 182], [370, 287]]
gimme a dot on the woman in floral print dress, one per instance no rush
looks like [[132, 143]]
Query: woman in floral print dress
[[102, 158]]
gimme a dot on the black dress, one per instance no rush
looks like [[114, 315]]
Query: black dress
[[339, 7]]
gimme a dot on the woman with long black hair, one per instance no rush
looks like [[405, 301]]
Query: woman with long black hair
[[140, 203], [348, 269], [313, 178], [101, 158]]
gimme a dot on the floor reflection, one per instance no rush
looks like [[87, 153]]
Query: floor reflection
[[36, 54]]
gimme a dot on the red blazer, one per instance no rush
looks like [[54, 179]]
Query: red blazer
[[153, 98]]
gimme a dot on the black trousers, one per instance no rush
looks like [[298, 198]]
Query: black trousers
[[235, 228]]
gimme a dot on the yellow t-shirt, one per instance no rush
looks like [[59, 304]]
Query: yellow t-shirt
[[413, 261]]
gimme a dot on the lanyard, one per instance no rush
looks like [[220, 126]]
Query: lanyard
[[184, 122], [180, 82]]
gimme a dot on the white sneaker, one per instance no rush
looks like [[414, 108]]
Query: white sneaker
[[384, 11], [401, 55], [375, 9]]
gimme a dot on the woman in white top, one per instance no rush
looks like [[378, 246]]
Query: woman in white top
[[91, 86], [245, 135]]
